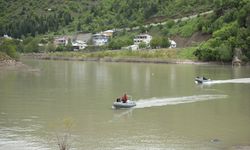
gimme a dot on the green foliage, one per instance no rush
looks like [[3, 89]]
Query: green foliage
[[165, 42], [186, 53], [9, 46], [226, 31], [24, 18], [230, 30], [184, 29], [69, 46], [189, 28], [50, 47], [214, 50], [225, 52], [120, 41], [61, 48], [31, 45], [159, 42], [155, 42], [170, 23], [142, 45]]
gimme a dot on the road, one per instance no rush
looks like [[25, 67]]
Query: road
[[163, 23]]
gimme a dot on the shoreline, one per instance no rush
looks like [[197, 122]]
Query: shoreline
[[11, 64], [44, 56]]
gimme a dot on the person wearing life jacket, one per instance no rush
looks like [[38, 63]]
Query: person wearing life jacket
[[125, 98]]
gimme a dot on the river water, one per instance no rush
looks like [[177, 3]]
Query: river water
[[172, 111]]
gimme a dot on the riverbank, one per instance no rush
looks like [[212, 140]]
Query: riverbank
[[168, 56], [6, 62], [120, 59]]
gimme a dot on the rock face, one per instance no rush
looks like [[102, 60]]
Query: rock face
[[236, 59]]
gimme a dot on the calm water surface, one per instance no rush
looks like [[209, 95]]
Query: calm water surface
[[172, 112]]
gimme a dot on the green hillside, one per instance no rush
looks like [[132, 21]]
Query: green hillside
[[25, 17]]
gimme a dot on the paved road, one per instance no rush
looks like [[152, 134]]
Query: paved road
[[163, 23]]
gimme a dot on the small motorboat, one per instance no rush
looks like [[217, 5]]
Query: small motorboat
[[201, 80], [119, 103]]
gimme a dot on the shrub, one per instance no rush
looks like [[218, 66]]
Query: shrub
[[142, 45], [8, 46], [225, 52]]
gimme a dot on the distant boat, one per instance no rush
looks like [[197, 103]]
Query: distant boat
[[201, 80], [121, 104]]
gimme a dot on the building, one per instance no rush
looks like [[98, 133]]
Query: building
[[6, 36], [172, 44], [78, 45], [100, 39], [142, 38], [108, 33], [61, 41]]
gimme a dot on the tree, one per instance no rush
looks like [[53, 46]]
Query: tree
[[165, 42], [225, 52], [155, 42]]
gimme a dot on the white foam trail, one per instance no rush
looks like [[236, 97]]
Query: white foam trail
[[152, 102], [241, 80]]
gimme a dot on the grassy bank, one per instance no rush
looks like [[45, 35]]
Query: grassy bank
[[152, 56], [186, 53]]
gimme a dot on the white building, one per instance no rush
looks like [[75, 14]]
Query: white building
[[6, 36], [108, 33], [131, 47], [78, 45], [142, 38], [172, 44], [100, 39]]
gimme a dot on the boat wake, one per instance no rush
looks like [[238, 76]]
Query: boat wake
[[240, 80], [152, 102]]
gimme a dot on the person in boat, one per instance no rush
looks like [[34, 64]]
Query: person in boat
[[125, 98], [204, 78]]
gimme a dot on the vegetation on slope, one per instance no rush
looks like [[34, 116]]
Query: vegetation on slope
[[8, 47], [23, 17], [230, 29]]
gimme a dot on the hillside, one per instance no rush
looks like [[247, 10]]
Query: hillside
[[24, 17]]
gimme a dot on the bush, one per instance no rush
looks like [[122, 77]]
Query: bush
[[155, 42], [226, 31], [118, 42], [142, 45], [31, 45], [189, 28], [225, 52], [206, 52], [8, 46]]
